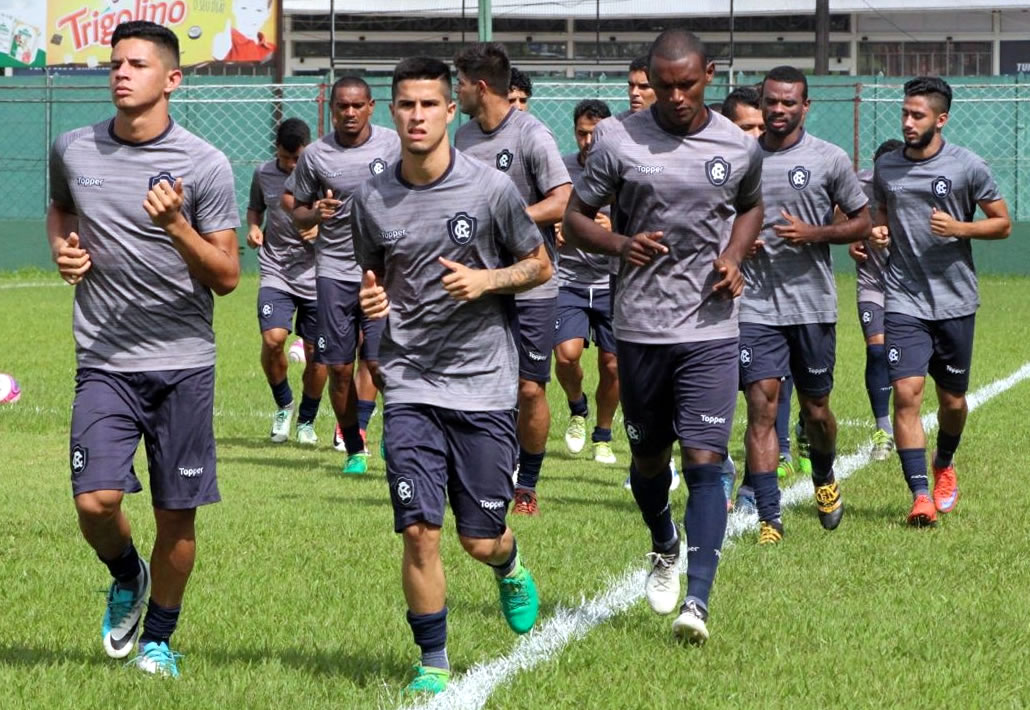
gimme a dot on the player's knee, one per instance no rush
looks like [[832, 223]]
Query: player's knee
[[478, 548], [98, 504], [817, 409], [341, 374], [531, 392], [175, 524], [951, 401], [608, 368], [273, 340], [421, 543]]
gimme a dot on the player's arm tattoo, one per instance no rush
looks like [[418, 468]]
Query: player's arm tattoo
[[530, 270]]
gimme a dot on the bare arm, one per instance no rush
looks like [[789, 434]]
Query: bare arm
[[550, 209], [72, 261], [255, 237], [289, 203], [466, 284], [582, 230], [853, 229], [743, 234], [310, 214], [997, 224]]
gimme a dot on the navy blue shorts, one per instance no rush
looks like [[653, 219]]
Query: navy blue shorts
[[944, 348], [534, 334], [171, 409], [438, 454], [585, 311], [276, 309], [339, 320], [806, 352], [870, 315], [686, 391]]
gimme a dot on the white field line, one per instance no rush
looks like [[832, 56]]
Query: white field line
[[32, 284], [473, 689]]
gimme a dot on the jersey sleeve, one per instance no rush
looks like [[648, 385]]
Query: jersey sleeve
[[515, 232], [257, 196], [847, 189], [367, 251], [879, 193], [982, 184], [545, 160], [305, 185], [60, 192], [601, 177], [214, 197], [749, 191]]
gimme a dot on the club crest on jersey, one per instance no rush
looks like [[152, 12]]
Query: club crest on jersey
[[746, 356], [163, 175], [504, 160], [798, 177], [377, 166], [718, 171], [462, 228], [941, 187]]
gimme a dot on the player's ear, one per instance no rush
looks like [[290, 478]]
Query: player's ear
[[942, 118], [173, 80], [452, 109]]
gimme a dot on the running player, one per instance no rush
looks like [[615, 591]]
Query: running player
[[521, 90], [869, 267], [927, 195], [743, 107], [434, 233], [584, 308], [518, 145], [142, 222], [676, 306], [287, 264], [328, 173], [788, 313]]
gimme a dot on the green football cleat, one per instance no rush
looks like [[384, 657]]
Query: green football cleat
[[785, 469], [427, 681], [356, 465], [804, 465], [519, 601]]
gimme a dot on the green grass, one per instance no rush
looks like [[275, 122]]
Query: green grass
[[296, 598]]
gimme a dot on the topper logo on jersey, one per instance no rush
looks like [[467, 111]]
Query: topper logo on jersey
[[718, 171], [163, 175], [746, 356], [894, 355], [504, 160], [377, 166], [80, 457], [405, 490], [462, 228], [87, 181], [389, 236], [798, 177], [941, 187]]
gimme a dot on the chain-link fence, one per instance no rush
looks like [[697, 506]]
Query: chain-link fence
[[240, 119]]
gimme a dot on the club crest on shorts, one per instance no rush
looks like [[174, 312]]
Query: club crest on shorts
[[894, 355], [746, 356], [404, 489], [941, 187], [163, 175], [321, 343], [504, 160], [377, 166], [266, 310], [718, 171], [867, 317], [634, 432], [798, 177], [462, 228], [79, 459]]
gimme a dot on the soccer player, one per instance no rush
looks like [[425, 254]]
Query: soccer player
[[518, 145], [434, 234], [326, 176], [584, 307], [521, 90], [869, 266], [142, 222], [743, 107], [286, 259], [676, 308], [788, 313], [927, 195]]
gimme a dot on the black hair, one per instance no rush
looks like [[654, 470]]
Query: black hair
[[639, 64], [421, 68], [520, 80], [591, 108], [160, 35], [788, 75], [293, 134], [488, 62], [937, 91], [746, 95], [676, 43], [887, 147], [348, 82]]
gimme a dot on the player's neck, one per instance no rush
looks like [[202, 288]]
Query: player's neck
[[771, 141], [492, 112], [425, 168], [349, 141], [927, 151], [139, 127]]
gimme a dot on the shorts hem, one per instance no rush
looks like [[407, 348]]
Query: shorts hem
[[480, 533], [186, 503], [400, 525], [94, 486]]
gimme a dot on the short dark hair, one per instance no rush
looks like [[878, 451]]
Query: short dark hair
[[676, 43], [414, 68], [788, 75], [639, 64], [887, 146], [488, 62], [746, 95], [293, 134], [520, 80], [350, 82], [935, 89], [591, 108], [160, 35]]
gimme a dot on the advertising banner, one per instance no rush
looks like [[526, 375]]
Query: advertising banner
[[22, 41]]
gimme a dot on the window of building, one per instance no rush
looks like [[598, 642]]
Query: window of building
[[921, 58], [756, 23]]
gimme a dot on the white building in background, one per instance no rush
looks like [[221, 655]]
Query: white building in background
[[564, 37]]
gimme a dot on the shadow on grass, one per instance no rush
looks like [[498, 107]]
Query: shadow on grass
[[887, 513], [363, 667], [15, 655]]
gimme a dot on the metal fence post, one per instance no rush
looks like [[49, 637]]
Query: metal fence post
[[47, 140], [856, 125]]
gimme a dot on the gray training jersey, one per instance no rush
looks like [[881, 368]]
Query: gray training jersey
[[575, 266], [691, 188], [327, 165], [138, 308], [871, 271], [786, 284], [437, 350], [286, 261], [927, 276], [524, 149]]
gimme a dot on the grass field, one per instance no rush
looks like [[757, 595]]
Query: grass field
[[296, 601]]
